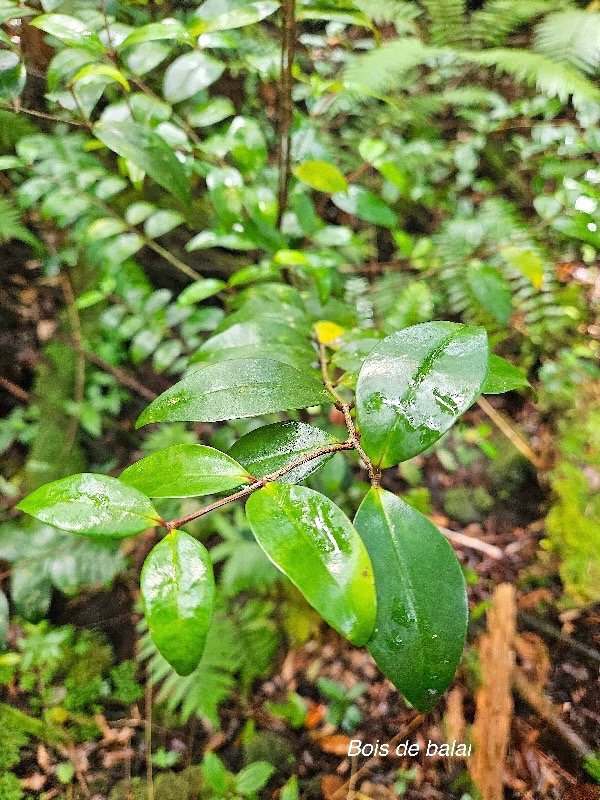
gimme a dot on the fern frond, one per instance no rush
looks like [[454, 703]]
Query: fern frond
[[494, 23], [448, 21], [382, 70], [571, 37], [11, 227], [549, 77], [401, 14]]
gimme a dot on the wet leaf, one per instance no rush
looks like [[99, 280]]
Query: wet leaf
[[267, 449], [415, 384], [189, 74], [312, 542], [243, 387], [223, 15], [503, 377], [421, 598], [178, 591], [149, 152], [185, 470], [365, 205], [93, 505]]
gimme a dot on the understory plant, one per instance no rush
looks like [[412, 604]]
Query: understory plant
[[389, 580]]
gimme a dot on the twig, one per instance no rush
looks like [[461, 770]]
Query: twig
[[470, 541], [41, 115], [545, 709], [75, 322], [510, 433], [286, 104], [375, 760], [148, 739], [374, 474], [122, 377], [15, 390], [530, 621], [258, 484]]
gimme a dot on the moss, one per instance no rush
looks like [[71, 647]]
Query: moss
[[466, 505], [169, 785], [270, 747]]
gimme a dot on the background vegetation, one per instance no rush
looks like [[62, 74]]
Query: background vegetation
[[184, 184]]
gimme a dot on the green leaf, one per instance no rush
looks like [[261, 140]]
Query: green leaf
[[69, 30], [223, 15], [253, 778], [321, 176], [149, 152], [4, 620], [189, 74], [12, 75], [527, 262], [185, 470], [244, 387], [103, 70], [421, 598], [491, 289], [415, 384], [365, 205], [178, 592], [93, 505], [267, 449], [165, 30], [198, 291], [214, 773], [312, 542], [503, 377]]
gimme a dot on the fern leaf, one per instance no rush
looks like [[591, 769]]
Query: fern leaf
[[448, 21], [549, 77], [11, 227], [571, 37], [382, 70], [493, 24], [400, 14]]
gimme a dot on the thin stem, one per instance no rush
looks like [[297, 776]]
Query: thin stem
[[286, 105], [259, 483], [353, 435]]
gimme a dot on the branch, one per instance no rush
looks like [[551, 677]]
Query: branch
[[259, 483], [286, 105]]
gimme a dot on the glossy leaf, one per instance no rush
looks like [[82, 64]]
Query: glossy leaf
[[200, 290], [244, 387], [104, 71], [185, 470], [222, 15], [312, 542], [415, 384], [321, 176], [503, 377], [165, 30], [421, 598], [12, 75], [365, 205], [93, 505], [267, 449], [178, 591], [149, 152], [244, 334], [189, 74], [69, 30]]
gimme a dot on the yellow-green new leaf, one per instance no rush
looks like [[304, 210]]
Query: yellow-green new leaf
[[92, 505], [321, 176], [311, 541], [185, 470], [178, 592]]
